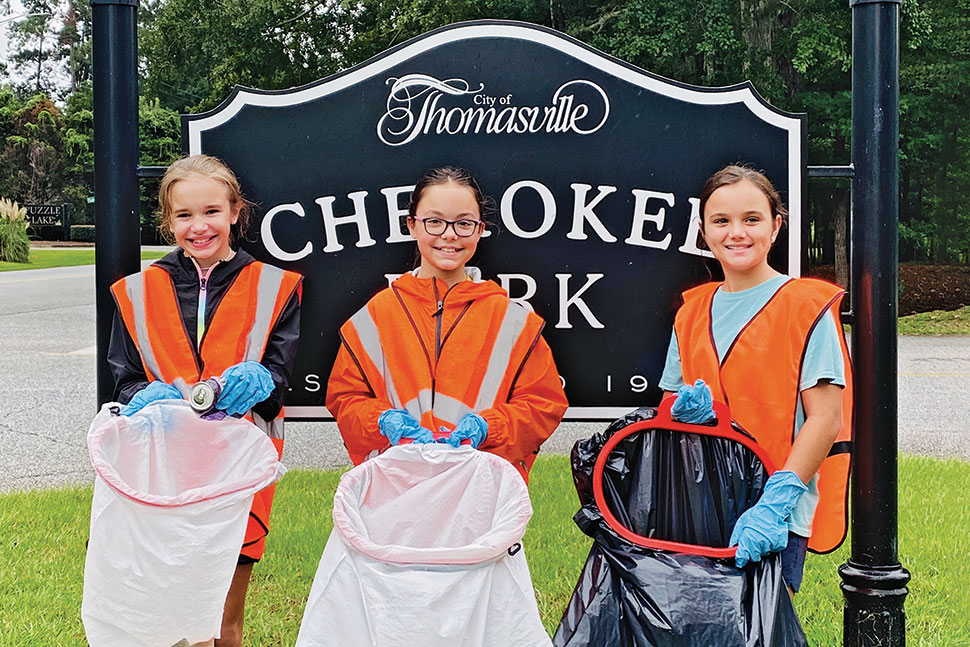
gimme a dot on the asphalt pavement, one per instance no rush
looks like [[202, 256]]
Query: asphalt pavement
[[48, 396]]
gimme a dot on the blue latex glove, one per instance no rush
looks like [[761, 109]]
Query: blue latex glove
[[396, 424], [763, 528], [244, 385], [156, 390], [472, 427], [694, 404]]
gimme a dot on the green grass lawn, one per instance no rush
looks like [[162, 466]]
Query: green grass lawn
[[44, 534], [45, 258], [938, 322]]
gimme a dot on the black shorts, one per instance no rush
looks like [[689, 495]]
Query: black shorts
[[793, 560]]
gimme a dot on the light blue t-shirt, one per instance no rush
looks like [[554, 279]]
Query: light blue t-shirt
[[730, 312]]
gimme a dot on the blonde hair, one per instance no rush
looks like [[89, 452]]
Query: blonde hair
[[209, 167]]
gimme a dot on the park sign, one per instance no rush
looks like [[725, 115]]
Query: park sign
[[594, 166]]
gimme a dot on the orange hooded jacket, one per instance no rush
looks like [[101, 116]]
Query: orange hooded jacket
[[758, 378], [440, 353]]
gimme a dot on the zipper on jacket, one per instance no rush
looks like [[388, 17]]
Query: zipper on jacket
[[439, 315], [200, 314], [200, 328]]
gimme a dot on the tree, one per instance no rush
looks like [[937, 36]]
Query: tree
[[796, 53], [75, 42], [159, 135], [368, 27], [935, 135], [33, 154], [34, 45], [78, 138], [258, 43]]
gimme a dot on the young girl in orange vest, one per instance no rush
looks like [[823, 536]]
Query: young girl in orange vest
[[442, 354], [772, 348], [207, 310]]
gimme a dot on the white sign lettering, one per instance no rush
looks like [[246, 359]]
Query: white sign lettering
[[646, 228], [419, 104], [565, 301]]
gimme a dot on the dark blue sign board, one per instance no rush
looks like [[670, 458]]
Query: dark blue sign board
[[594, 166]]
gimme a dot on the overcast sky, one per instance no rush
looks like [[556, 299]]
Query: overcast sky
[[16, 11]]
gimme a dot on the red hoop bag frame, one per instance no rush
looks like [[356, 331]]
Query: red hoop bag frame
[[684, 487], [664, 421]]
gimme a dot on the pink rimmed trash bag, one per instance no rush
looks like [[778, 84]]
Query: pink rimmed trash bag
[[171, 502], [426, 550]]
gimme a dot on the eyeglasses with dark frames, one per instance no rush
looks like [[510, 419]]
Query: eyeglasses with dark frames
[[437, 226]]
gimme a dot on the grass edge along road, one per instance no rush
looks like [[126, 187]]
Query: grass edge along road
[[47, 258], [937, 322], [44, 535]]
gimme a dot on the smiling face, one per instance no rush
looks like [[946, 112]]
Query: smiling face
[[200, 217], [739, 229], [444, 256]]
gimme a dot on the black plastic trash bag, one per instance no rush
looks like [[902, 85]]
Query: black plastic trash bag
[[669, 482]]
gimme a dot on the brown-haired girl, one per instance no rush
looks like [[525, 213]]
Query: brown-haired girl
[[206, 311], [442, 354], [772, 348]]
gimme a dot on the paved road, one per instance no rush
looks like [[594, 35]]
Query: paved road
[[47, 388]]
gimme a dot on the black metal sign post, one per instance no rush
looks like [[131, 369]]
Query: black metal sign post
[[116, 212], [873, 580]]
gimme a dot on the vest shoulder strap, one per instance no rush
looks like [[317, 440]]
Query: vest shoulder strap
[[700, 291], [149, 308], [273, 289]]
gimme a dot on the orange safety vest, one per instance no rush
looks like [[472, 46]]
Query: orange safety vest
[[759, 376], [469, 364], [239, 331]]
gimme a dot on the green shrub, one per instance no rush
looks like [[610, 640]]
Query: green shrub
[[46, 232], [14, 243], [82, 233]]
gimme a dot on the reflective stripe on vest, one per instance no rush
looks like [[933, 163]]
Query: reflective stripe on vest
[[240, 327], [267, 293], [135, 289], [369, 337], [759, 379], [391, 356], [513, 323]]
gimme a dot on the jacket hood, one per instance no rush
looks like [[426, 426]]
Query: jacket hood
[[430, 291], [183, 270]]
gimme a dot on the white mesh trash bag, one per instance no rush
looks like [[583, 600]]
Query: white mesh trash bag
[[171, 502], [426, 550]]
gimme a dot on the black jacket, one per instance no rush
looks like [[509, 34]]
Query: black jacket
[[125, 360]]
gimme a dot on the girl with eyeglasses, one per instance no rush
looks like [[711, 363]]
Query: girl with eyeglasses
[[442, 355]]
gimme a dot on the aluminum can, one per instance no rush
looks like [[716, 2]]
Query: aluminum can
[[203, 395]]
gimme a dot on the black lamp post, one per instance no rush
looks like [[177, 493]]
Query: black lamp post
[[116, 210], [873, 580]]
